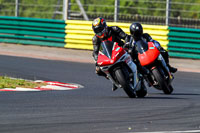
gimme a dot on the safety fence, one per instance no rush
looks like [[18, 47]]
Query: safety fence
[[32, 31], [79, 33], [184, 42], [181, 42]]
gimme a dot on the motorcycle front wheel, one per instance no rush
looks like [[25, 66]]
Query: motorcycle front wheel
[[123, 80], [161, 82]]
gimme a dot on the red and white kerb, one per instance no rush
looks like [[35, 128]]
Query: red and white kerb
[[51, 85]]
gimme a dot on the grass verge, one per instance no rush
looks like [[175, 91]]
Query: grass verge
[[7, 82]]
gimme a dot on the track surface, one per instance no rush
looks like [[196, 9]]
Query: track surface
[[94, 108]]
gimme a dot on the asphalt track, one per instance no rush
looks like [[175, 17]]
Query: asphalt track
[[94, 108]]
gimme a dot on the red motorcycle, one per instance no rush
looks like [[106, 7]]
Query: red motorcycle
[[159, 75], [117, 64]]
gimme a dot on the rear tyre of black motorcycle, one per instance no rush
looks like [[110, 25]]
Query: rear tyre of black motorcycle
[[161, 82], [124, 81]]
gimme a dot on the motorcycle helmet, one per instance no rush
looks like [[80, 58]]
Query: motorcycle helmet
[[136, 30], [99, 27]]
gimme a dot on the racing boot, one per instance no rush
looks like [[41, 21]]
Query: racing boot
[[172, 69], [114, 87], [99, 72]]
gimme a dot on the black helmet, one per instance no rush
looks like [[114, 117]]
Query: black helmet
[[99, 27], [136, 30]]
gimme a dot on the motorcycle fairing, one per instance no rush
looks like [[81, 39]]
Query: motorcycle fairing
[[109, 53], [111, 57], [149, 56]]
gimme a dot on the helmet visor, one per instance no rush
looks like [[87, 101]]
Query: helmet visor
[[98, 29], [101, 32]]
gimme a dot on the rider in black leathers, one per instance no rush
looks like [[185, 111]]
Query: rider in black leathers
[[104, 32], [137, 34]]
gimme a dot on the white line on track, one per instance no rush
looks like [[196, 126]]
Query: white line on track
[[188, 131]]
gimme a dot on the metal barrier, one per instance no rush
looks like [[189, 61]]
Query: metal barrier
[[181, 42], [79, 33], [32, 31], [184, 42]]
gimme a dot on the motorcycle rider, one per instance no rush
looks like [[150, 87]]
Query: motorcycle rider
[[104, 32], [136, 31]]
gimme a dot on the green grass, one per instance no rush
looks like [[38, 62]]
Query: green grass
[[7, 82]]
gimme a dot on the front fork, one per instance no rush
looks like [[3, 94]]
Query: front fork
[[134, 75], [168, 77]]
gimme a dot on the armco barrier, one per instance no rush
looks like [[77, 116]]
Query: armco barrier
[[184, 42], [32, 31], [79, 33]]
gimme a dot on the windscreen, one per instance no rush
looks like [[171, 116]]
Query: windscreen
[[106, 48], [142, 46]]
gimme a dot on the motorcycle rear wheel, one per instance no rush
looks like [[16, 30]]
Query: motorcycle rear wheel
[[124, 82], [161, 82]]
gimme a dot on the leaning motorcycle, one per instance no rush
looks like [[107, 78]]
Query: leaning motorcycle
[[159, 75], [117, 64]]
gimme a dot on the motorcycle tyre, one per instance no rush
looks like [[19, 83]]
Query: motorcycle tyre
[[161, 82], [122, 79], [171, 88], [142, 92]]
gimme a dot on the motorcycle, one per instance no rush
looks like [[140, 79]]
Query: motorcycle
[[117, 64], [159, 75]]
